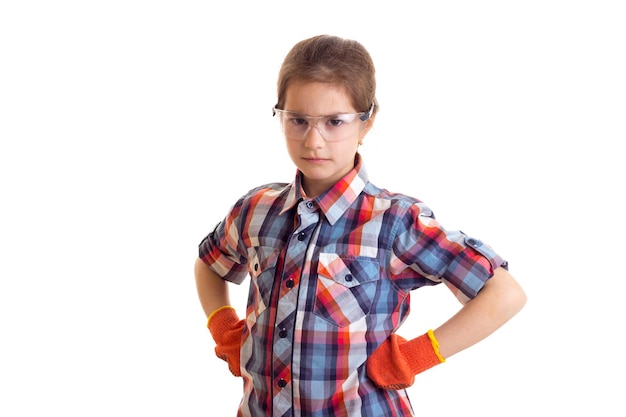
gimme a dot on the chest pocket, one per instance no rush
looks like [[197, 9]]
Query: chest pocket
[[262, 269], [345, 288]]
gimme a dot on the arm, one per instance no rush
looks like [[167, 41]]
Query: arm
[[499, 300], [212, 289], [394, 364], [223, 323]]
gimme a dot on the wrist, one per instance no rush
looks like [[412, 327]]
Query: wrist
[[222, 320], [218, 311], [435, 343], [422, 353]]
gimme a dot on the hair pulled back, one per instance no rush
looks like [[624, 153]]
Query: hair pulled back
[[333, 60]]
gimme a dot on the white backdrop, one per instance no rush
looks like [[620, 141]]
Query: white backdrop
[[129, 127]]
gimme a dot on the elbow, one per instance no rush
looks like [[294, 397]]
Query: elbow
[[506, 295], [516, 300], [512, 296]]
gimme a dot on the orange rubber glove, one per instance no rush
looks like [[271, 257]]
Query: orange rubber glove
[[394, 364], [226, 329]]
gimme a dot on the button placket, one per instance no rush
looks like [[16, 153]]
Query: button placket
[[287, 306]]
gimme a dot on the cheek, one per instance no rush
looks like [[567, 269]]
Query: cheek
[[363, 134], [347, 150], [293, 148]]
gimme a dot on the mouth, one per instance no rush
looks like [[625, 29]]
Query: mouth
[[314, 159]]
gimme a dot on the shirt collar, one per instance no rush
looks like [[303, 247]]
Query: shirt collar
[[335, 201]]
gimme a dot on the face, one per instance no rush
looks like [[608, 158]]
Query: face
[[322, 163]]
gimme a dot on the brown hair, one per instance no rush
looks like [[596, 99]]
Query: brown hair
[[334, 60]]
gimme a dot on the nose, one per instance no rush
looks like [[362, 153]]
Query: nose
[[313, 137]]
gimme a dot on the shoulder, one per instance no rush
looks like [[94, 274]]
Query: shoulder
[[398, 202], [267, 195], [273, 189]]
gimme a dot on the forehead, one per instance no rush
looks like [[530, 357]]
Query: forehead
[[315, 98]]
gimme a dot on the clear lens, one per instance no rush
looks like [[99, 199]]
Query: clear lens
[[333, 128]]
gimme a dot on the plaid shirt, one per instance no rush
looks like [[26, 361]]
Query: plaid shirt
[[329, 281]]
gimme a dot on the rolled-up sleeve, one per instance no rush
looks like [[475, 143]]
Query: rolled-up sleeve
[[423, 246]]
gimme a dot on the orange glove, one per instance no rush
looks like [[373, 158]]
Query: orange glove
[[226, 329], [394, 364]]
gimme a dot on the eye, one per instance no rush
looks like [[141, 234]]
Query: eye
[[339, 120], [334, 122], [296, 119]]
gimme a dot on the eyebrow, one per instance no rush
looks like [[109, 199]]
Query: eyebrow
[[324, 115]]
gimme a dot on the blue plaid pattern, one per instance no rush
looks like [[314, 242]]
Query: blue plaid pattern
[[330, 279]]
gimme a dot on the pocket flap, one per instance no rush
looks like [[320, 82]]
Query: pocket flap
[[348, 271]]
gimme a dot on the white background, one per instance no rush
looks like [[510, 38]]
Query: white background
[[129, 127]]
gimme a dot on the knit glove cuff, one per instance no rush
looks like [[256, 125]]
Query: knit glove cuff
[[221, 321], [227, 329], [394, 364]]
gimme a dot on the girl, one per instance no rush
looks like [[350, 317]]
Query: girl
[[332, 260]]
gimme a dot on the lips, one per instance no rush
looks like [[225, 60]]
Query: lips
[[315, 159]]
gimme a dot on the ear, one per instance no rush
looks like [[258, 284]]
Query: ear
[[369, 123]]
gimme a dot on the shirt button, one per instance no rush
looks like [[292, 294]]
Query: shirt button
[[282, 383], [301, 236], [349, 277], [474, 242], [282, 333], [289, 283], [256, 267], [309, 204]]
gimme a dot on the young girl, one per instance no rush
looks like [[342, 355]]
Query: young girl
[[332, 259]]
